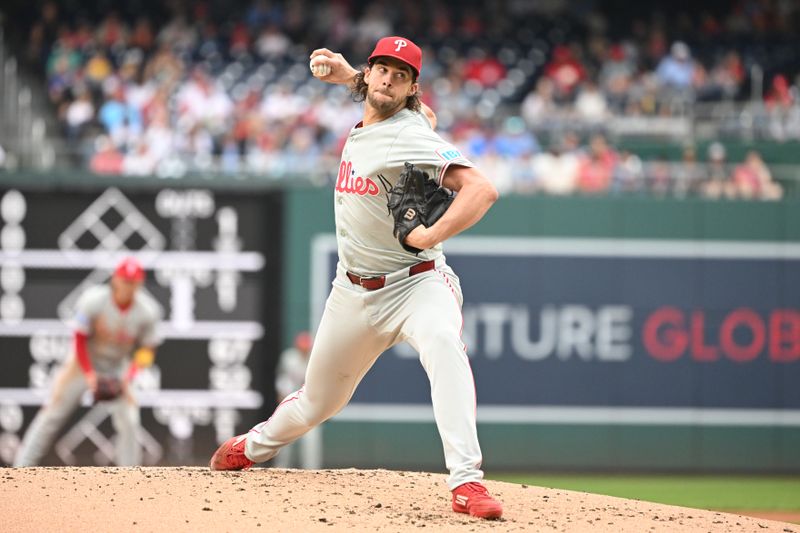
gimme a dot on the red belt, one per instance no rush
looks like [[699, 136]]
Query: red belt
[[372, 284]]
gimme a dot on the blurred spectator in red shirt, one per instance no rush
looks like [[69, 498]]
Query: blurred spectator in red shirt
[[239, 40], [565, 70], [779, 94], [596, 169], [753, 180], [106, 159], [484, 69]]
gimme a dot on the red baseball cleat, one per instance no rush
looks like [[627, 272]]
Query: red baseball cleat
[[230, 455], [473, 499]]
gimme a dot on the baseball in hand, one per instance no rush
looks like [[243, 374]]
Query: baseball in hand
[[319, 69]]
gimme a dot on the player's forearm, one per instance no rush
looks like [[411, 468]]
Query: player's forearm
[[82, 353], [351, 77], [469, 206], [348, 78]]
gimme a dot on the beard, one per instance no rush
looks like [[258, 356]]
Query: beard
[[384, 107]]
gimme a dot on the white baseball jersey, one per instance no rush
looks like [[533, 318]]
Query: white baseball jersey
[[372, 161], [114, 333]]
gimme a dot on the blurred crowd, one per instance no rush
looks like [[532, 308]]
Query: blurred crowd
[[527, 90], [567, 167]]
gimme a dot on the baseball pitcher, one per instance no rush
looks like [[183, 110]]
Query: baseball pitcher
[[401, 191], [115, 336]]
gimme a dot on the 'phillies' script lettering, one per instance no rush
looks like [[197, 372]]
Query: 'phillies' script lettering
[[350, 183]]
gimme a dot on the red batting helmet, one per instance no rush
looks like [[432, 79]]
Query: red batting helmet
[[399, 48]]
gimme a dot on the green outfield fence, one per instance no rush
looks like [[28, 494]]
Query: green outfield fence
[[553, 446]]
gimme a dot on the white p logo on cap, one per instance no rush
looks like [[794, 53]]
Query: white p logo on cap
[[401, 43]]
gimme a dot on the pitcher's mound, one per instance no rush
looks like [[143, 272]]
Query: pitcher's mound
[[195, 499]]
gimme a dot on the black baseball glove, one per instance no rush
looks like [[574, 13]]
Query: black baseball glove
[[416, 199], [108, 388]]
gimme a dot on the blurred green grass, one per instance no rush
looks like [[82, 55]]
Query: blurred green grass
[[757, 493]]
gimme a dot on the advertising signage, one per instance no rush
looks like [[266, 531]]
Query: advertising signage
[[609, 323]]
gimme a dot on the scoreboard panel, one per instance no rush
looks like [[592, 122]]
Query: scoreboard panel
[[212, 262]]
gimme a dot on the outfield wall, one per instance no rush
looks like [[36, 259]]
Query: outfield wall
[[604, 334]]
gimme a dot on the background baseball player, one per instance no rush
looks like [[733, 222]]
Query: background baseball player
[[113, 322], [384, 293]]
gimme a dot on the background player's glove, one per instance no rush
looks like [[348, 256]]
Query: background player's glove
[[108, 388], [416, 199]]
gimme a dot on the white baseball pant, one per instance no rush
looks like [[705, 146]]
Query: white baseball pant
[[356, 327], [65, 398]]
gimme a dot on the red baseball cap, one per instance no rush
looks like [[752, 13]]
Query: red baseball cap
[[399, 48], [303, 341], [129, 269]]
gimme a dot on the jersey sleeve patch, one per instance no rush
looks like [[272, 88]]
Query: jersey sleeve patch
[[81, 322], [449, 154]]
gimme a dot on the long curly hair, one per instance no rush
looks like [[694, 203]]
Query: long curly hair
[[358, 90]]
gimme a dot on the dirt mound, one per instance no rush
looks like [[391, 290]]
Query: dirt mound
[[195, 499]]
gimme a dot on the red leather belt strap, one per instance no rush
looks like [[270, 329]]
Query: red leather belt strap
[[372, 284]]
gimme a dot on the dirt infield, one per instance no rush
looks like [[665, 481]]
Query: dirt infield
[[195, 499]]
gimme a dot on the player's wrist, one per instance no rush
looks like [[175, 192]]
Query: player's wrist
[[351, 77], [421, 238], [91, 379], [432, 236]]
